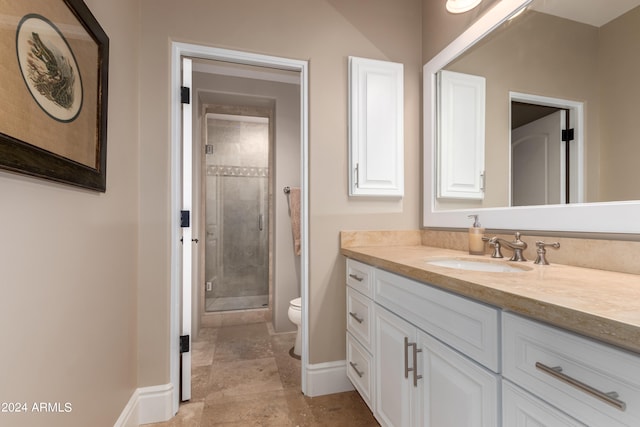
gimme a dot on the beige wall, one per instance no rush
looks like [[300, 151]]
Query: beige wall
[[620, 150], [325, 33], [68, 267]]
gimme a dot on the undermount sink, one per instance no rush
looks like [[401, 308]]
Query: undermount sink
[[489, 266]]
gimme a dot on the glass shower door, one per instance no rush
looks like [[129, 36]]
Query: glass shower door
[[236, 248]]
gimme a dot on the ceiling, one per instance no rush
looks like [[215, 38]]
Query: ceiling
[[592, 12]]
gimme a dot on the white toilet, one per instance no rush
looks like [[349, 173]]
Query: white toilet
[[295, 315]]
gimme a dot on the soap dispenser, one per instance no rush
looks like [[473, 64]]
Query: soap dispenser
[[476, 233]]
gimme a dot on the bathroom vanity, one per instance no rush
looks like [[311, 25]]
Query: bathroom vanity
[[429, 345], [437, 338]]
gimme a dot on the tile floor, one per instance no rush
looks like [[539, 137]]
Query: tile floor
[[243, 376]]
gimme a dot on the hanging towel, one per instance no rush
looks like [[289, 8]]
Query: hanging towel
[[294, 210]]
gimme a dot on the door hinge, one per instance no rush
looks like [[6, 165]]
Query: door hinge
[[356, 175], [184, 343], [567, 134], [185, 219], [185, 95]]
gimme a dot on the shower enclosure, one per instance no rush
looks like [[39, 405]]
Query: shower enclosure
[[236, 212]]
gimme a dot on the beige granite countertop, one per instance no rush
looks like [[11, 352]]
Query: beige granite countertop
[[600, 304]]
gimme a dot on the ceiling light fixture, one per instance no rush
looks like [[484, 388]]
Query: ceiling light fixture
[[461, 6]]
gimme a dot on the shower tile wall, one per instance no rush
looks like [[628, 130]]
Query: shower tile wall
[[237, 258]]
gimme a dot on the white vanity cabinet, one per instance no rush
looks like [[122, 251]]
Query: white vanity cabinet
[[423, 382], [595, 383], [437, 358], [422, 340], [376, 128]]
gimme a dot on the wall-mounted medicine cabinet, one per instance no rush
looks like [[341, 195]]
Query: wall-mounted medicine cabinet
[[376, 128]]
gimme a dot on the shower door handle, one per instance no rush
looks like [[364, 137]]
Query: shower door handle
[[260, 221]]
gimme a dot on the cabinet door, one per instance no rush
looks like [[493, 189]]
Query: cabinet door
[[394, 382], [461, 142], [454, 391], [376, 128]]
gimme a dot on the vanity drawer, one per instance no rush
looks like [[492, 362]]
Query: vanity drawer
[[359, 369], [573, 373], [468, 326], [359, 317], [359, 277], [521, 409]]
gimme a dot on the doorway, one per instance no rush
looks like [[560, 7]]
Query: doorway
[[236, 211], [179, 305], [546, 150]]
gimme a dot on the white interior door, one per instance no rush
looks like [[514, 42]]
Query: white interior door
[[187, 181], [538, 162]]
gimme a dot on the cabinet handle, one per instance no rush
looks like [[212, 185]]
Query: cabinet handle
[[356, 277], [353, 365], [406, 357], [356, 175], [610, 398], [407, 369], [355, 316], [416, 377]]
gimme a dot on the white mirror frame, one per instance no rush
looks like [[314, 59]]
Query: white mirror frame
[[609, 217]]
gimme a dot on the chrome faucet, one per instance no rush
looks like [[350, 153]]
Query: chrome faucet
[[517, 246]]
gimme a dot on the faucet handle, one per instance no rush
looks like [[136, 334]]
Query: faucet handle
[[493, 241], [541, 258]]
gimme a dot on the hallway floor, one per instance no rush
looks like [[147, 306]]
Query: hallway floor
[[243, 376]]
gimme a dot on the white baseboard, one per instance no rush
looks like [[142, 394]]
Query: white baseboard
[[148, 405], [327, 378], [155, 404], [129, 415]]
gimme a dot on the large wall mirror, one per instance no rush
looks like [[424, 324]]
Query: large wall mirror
[[561, 118]]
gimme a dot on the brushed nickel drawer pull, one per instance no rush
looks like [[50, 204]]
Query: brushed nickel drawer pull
[[610, 398], [416, 377], [356, 277], [353, 365], [406, 357], [355, 316]]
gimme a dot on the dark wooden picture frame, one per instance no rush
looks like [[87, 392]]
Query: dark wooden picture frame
[[53, 92]]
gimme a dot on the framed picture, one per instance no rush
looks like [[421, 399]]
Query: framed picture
[[53, 92]]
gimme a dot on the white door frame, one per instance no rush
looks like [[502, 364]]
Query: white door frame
[[179, 50]]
